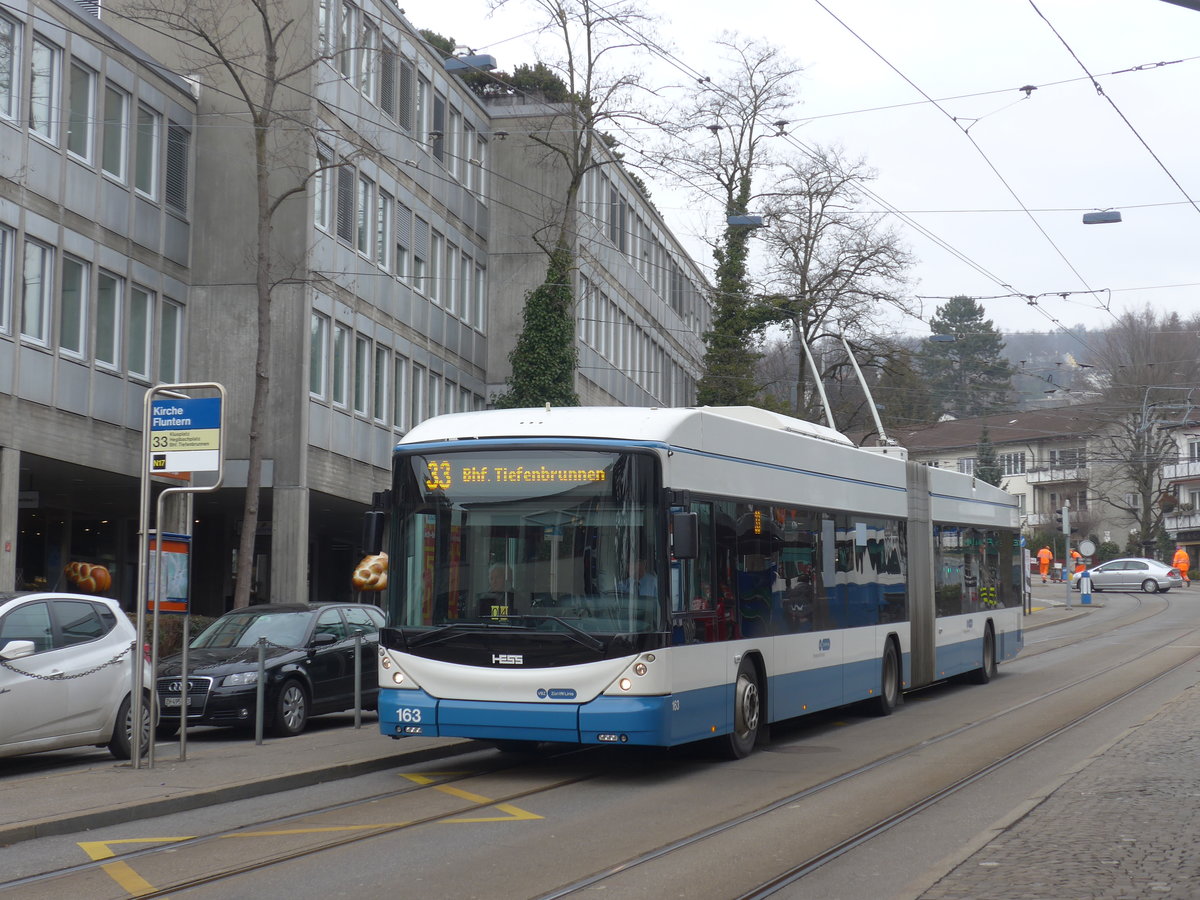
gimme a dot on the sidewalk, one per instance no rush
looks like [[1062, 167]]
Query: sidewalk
[[107, 792], [104, 792]]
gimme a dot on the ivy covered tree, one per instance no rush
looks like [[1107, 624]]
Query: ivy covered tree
[[967, 375], [544, 359]]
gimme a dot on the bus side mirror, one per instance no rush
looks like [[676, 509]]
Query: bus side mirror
[[685, 530], [372, 536]]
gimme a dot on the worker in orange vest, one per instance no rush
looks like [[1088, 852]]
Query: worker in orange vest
[[1044, 556], [1078, 557], [1182, 562]]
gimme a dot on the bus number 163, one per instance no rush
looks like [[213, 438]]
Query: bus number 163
[[409, 715]]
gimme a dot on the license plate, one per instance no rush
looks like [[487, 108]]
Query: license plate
[[173, 702]]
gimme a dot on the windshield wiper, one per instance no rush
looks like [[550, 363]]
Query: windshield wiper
[[446, 631], [577, 633]]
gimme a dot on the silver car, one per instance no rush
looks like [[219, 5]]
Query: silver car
[[66, 676], [1147, 575]]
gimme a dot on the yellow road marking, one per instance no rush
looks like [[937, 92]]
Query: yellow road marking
[[131, 881]]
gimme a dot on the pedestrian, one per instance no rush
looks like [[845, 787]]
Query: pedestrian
[[1078, 557], [1044, 556], [1182, 562]]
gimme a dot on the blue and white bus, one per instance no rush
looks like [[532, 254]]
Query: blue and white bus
[[659, 576]]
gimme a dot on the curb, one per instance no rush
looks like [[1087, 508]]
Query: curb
[[161, 806]]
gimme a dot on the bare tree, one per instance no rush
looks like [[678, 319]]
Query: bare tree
[[1146, 370], [253, 59], [832, 268], [720, 146], [590, 39]]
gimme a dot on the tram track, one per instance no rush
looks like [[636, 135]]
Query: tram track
[[56, 880], [796, 872]]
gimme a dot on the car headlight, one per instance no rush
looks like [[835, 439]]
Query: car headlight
[[239, 678]]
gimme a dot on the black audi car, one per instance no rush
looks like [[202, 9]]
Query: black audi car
[[309, 667]]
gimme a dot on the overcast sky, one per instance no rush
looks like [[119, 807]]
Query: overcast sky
[[1059, 152]]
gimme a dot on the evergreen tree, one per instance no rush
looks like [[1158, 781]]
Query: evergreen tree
[[987, 468], [968, 376], [544, 359]]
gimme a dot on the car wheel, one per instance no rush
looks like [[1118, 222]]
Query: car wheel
[[1150, 586], [121, 744], [291, 709]]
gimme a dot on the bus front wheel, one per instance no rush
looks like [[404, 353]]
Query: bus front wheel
[[747, 713], [987, 669]]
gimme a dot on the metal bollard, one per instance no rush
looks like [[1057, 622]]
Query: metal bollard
[[260, 693], [358, 679], [1085, 588]]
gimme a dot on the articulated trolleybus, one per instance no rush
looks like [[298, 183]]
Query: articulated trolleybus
[[663, 576]]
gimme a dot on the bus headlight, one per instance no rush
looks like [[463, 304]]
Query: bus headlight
[[640, 669], [625, 684]]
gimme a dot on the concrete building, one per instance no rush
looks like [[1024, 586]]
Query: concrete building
[[641, 301], [399, 259], [96, 216], [1046, 457], [1182, 478]]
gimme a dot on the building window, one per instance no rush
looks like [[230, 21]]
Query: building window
[[145, 173], [341, 363], [82, 111], [178, 141], [321, 184], [7, 239], [420, 251], [451, 292], [417, 396], [400, 399], [387, 80], [345, 203], [72, 306], [43, 89], [35, 297], [362, 373], [324, 28], [405, 106], [366, 206], [966, 465], [114, 149], [465, 271], [1194, 451], [480, 298], [368, 60], [108, 320], [10, 54], [403, 241], [140, 320], [1011, 463], [420, 127], [347, 37], [383, 231], [437, 133], [318, 352], [380, 384], [170, 342], [1069, 458], [436, 260]]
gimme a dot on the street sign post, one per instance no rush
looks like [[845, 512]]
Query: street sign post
[[181, 435]]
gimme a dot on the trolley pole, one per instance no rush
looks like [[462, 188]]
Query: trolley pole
[[1066, 517]]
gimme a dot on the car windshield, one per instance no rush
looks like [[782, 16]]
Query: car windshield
[[243, 629]]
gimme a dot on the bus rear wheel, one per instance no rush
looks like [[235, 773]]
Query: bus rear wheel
[[747, 714], [889, 683], [987, 669]]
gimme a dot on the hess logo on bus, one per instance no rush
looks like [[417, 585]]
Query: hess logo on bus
[[508, 659]]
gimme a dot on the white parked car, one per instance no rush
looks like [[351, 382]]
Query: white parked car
[[66, 675]]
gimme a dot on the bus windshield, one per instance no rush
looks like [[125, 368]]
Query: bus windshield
[[565, 539]]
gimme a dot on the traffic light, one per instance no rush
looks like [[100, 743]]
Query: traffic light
[[1062, 519]]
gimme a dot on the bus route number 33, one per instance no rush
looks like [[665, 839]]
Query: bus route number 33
[[408, 716]]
